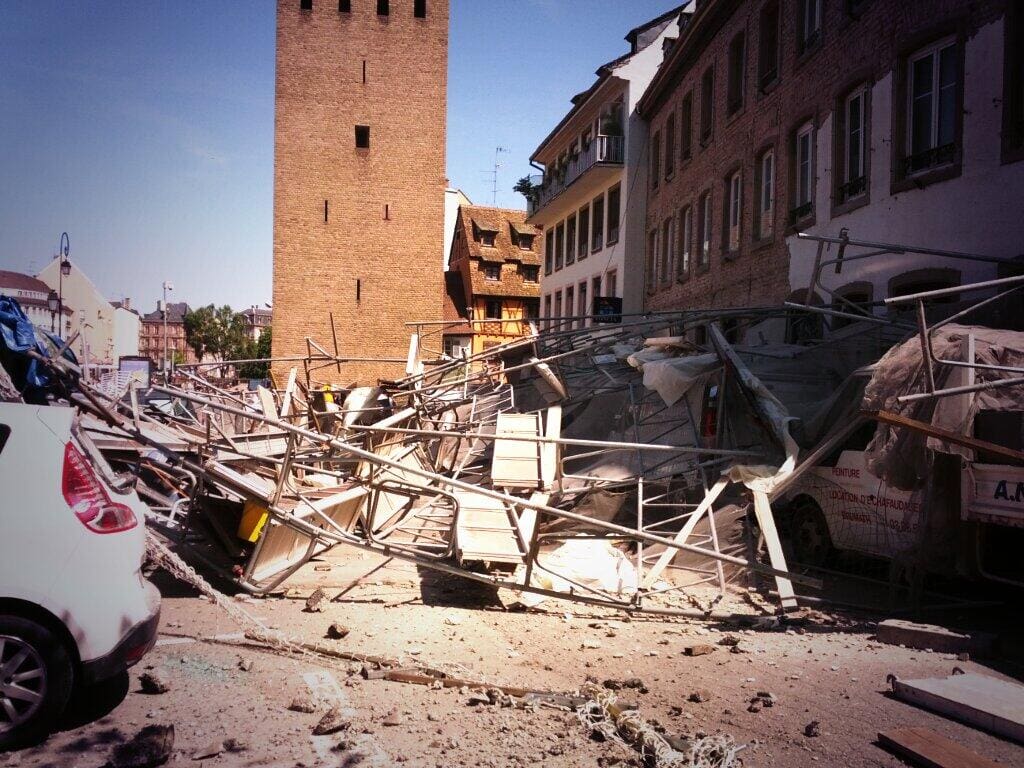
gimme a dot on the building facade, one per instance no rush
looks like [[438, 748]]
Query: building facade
[[493, 283], [33, 294], [895, 122], [590, 201], [257, 320], [151, 336], [359, 175], [100, 325]]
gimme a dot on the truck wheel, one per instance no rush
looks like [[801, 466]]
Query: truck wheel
[[35, 681], [812, 544]]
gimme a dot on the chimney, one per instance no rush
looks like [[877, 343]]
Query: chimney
[[127, 303]]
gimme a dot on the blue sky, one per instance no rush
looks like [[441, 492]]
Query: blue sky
[[145, 129]]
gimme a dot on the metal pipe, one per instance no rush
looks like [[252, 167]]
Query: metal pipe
[[954, 290], [899, 249]]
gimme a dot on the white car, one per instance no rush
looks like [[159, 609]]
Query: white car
[[74, 606]]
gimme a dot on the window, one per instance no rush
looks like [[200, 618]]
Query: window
[[707, 102], [492, 310], [583, 240], [530, 274], [597, 236], [652, 255], [611, 284], [530, 309], [570, 305], [685, 239], [382, 8], [686, 122], [853, 128], [768, 45], [614, 212], [419, 9], [667, 241], [765, 207], [492, 271], [525, 242], [362, 137], [305, 5], [570, 239], [549, 250], [931, 107], [344, 6], [670, 150], [921, 280], [558, 307], [581, 307], [487, 238], [559, 245], [595, 286], [803, 188], [809, 24], [705, 225], [1013, 83], [547, 306], [655, 159], [733, 211], [737, 63]]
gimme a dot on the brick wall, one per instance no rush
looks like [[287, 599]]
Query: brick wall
[[858, 42], [385, 205]]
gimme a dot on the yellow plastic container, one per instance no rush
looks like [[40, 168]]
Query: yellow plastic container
[[254, 517]]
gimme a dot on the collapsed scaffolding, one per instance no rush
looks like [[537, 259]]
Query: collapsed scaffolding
[[631, 465]]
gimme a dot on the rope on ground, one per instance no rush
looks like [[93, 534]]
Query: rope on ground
[[627, 728]]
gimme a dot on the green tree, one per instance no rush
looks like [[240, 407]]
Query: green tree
[[526, 188], [199, 330], [216, 331], [256, 350]]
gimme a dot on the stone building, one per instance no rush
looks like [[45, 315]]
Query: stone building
[[898, 122], [151, 335], [494, 275], [359, 175], [33, 295]]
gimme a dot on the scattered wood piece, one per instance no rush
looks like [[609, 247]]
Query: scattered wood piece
[[896, 420], [210, 750], [929, 636], [698, 650], [925, 747]]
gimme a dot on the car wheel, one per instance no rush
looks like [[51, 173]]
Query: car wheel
[[812, 544], [35, 681]]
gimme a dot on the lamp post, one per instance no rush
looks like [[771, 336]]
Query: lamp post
[[53, 303], [167, 287], [65, 270]]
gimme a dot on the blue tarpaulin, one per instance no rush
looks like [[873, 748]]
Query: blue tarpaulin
[[17, 337]]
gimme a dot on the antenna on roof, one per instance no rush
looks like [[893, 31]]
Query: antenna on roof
[[497, 165]]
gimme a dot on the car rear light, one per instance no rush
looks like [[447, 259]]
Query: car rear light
[[88, 498]]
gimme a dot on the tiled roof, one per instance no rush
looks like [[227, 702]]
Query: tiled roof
[[503, 222], [175, 313], [21, 282]]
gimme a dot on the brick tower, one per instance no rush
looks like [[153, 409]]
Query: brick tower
[[359, 176]]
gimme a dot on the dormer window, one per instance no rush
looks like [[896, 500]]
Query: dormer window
[[526, 242], [487, 238], [492, 271]]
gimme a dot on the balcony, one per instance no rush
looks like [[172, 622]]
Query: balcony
[[603, 151]]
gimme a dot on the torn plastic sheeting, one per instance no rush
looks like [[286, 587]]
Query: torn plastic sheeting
[[592, 562], [900, 456], [673, 377]]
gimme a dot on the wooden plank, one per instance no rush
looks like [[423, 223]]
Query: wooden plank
[[925, 747], [516, 463], [549, 451], [985, 702], [289, 393], [896, 420], [484, 531], [766, 522], [684, 533], [267, 404]]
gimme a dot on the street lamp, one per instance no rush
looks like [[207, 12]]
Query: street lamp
[[65, 270], [167, 287], [53, 303]]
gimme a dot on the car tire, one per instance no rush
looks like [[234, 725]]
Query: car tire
[[36, 677], [809, 536]]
